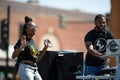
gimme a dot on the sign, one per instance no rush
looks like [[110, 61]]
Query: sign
[[113, 47]]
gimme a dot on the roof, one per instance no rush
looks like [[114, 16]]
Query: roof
[[37, 9]]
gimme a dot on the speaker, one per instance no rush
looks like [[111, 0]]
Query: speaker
[[47, 65], [57, 66], [69, 65]]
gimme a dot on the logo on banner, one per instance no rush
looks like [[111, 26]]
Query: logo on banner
[[113, 46]]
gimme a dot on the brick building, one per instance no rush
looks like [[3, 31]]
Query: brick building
[[66, 29]]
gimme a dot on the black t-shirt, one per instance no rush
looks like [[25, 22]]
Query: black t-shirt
[[30, 52], [99, 41]]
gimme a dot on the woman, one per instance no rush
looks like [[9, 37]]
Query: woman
[[28, 50], [19, 58]]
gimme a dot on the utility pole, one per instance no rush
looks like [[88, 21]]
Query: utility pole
[[5, 38]]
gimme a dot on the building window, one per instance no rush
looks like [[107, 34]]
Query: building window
[[62, 21]]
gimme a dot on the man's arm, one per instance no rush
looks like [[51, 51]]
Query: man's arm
[[91, 50]]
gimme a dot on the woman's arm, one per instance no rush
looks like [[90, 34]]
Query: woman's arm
[[42, 53], [17, 51], [46, 45]]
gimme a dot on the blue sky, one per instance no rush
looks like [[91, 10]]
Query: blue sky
[[91, 6]]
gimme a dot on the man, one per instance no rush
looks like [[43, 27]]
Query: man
[[95, 41]]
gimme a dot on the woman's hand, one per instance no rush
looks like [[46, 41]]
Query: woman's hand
[[17, 51], [23, 42], [47, 43]]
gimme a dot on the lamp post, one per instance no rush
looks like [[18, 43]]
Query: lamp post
[[5, 38]]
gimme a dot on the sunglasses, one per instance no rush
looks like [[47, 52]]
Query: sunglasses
[[32, 25]]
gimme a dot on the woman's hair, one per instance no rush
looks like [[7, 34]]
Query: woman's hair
[[27, 19]]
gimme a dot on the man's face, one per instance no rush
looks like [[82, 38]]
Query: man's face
[[100, 23]]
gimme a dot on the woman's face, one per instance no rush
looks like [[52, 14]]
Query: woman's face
[[100, 23], [31, 28]]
